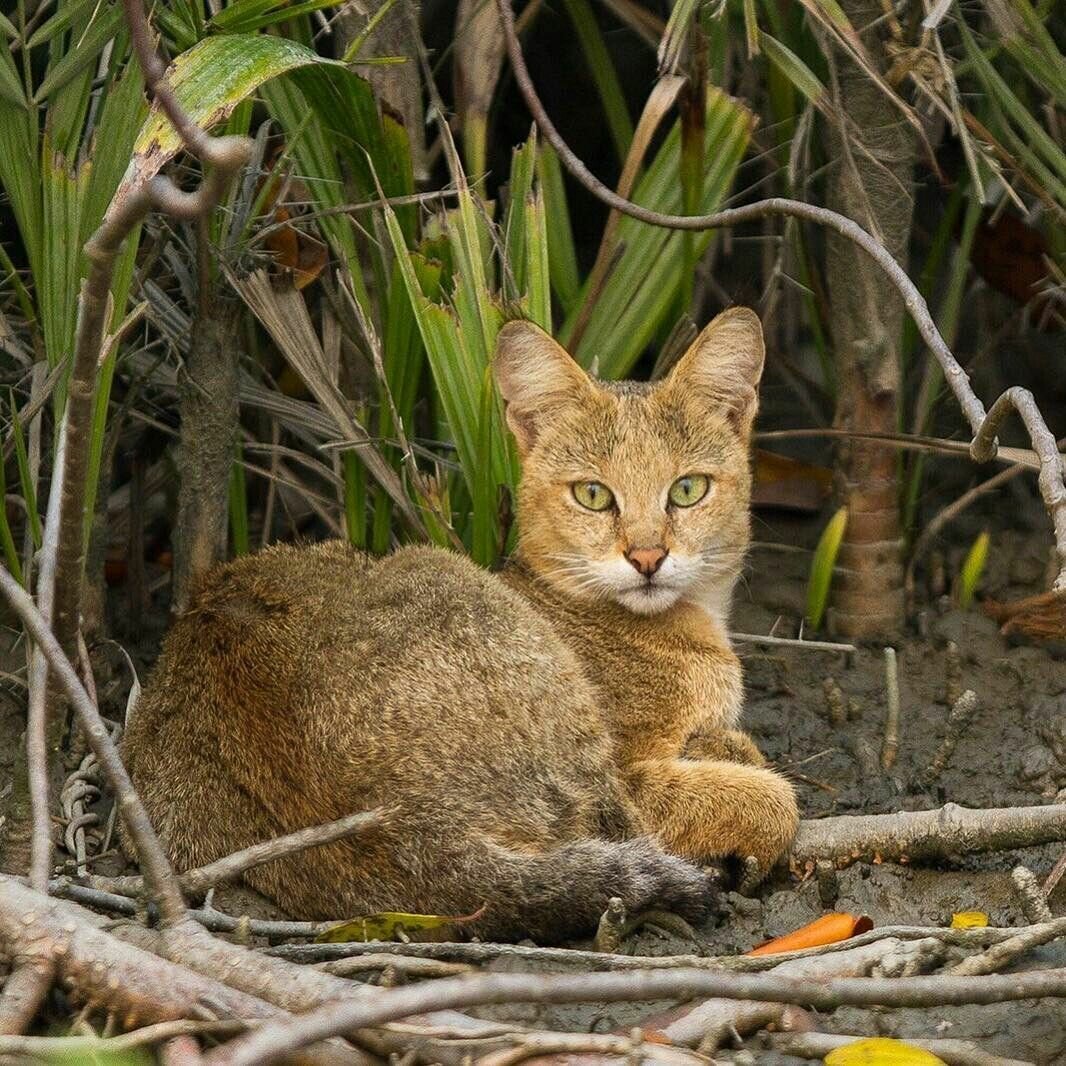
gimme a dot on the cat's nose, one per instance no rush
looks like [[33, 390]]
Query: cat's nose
[[646, 560]]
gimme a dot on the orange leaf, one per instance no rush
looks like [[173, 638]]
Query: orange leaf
[[828, 929]]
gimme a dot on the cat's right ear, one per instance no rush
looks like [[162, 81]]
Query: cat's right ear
[[536, 376]]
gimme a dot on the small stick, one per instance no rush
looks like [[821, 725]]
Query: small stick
[[914, 835], [23, 993], [962, 712], [1055, 876], [787, 642], [612, 927], [952, 674], [1030, 896], [835, 704], [890, 747], [197, 881], [1001, 955], [413, 967]]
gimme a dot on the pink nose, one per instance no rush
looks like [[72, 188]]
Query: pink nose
[[646, 560]]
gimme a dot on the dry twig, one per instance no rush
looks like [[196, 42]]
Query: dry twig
[[962, 711], [890, 748], [197, 881]]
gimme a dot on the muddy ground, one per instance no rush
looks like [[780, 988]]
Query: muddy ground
[[1014, 753]]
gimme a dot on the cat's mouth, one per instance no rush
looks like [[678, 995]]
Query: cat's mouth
[[649, 597]]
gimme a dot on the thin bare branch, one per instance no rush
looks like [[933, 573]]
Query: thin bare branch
[[197, 881], [158, 872], [272, 1042], [982, 424]]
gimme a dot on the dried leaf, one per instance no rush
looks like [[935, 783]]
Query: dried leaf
[[881, 1051], [829, 929], [389, 925], [969, 920], [784, 482]]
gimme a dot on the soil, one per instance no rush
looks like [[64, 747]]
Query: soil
[[1013, 753]]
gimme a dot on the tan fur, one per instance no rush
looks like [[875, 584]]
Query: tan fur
[[540, 735]]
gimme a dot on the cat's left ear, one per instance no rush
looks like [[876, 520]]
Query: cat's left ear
[[724, 365]]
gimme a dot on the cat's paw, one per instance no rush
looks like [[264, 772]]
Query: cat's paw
[[768, 826]]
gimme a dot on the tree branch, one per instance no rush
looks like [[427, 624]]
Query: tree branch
[[272, 1042], [982, 424], [948, 830]]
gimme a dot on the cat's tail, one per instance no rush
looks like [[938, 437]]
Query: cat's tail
[[560, 895]]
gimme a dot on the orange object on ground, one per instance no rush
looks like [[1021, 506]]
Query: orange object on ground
[[828, 929]]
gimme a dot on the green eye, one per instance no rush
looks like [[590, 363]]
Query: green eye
[[690, 489], [593, 495]]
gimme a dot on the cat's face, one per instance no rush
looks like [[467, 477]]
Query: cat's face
[[635, 493]]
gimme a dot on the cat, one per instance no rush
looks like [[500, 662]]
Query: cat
[[540, 739]]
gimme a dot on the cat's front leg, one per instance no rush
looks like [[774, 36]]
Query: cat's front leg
[[703, 809], [725, 745]]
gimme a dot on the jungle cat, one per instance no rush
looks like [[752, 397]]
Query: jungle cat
[[545, 737]]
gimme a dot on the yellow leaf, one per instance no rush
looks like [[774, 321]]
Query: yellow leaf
[[389, 925], [881, 1051], [969, 920]]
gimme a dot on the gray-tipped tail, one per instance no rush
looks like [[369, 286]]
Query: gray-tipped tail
[[560, 895]]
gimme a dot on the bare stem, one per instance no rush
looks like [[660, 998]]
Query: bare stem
[[197, 881], [158, 873], [984, 426]]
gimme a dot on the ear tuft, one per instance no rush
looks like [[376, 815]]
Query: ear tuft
[[536, 378], [724, 365]]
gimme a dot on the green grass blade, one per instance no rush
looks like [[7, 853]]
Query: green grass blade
[[538, 273], [7, 540], [973, 568], [822, 564], [562, 255], [106, 23]]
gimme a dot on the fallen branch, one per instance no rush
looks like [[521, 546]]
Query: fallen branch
[[913, 835], [139, 987], [983, 424], [1000, 956], [953, 1052], [197, 881], [707, 1023], [273, 1041]]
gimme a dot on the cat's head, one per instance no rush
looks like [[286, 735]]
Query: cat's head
[[635, 493]]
